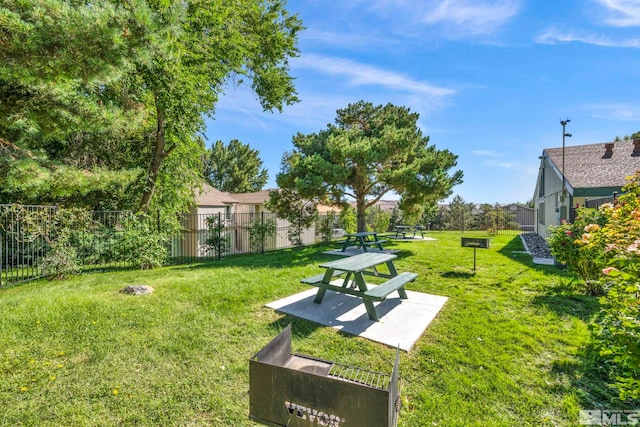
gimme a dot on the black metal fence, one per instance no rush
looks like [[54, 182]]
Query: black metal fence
[[500, 220], [104, 238], [21, 249]]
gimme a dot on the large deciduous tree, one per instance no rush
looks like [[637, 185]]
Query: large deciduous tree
[[194, 47], [125, 86], [236, 168], [368, 152]]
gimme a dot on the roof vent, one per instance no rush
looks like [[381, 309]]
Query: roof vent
[[608, 150], [636, 147]]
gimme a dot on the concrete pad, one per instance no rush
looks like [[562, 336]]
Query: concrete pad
[[544, 261], [401, 323]]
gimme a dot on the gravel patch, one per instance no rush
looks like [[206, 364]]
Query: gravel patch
[[536, 245]]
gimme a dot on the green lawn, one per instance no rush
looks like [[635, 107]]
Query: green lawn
[[510, 347]]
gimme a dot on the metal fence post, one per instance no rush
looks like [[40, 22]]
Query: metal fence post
[[220, 245], [264, 236]]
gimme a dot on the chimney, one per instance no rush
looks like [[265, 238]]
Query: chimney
[[608, 150], [636, 147]]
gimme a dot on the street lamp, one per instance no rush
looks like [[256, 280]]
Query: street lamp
[[564, 134]]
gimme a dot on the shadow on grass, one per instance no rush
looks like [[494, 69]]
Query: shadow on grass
[[515, 250], [565, 299], [458, 274], [588, 372], [292, 257], [281, 258], [300, 328]]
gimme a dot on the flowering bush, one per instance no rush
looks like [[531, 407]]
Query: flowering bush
[[581, 245], [618, 324]]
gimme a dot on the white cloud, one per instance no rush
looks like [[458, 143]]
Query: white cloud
[[472, 16], [484, 153], [448, 19], [358, 74], [622, 13], [614, 111], [553, 36], [345, 40], [503, 165]]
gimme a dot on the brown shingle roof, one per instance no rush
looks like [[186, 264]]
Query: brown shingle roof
[[253, 198], [210, 196], [587, 166]]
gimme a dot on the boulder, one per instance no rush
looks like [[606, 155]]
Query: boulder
[[137, 290]]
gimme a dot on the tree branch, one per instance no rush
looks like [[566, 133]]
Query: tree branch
[[7, 147], [377, 198]]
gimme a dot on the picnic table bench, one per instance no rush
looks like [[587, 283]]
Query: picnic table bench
[[354, 268], [364, 240]]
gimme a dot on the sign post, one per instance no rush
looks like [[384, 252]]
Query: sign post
[[475, 243]]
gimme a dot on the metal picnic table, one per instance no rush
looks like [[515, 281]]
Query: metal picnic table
[[355, 268], [404, 229], [363, 239]]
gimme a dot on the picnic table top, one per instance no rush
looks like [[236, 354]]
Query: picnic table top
[[359, 262], [363, 234]]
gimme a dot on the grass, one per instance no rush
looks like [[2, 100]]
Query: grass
[[510, 347]]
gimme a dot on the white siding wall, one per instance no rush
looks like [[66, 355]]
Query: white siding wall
[[551, 201]]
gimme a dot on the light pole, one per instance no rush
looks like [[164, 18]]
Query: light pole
[[564, 180]]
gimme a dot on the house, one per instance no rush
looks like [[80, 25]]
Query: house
[[209, 202], [252, 203], [383, 205], [237, 212], [251, 207], [568, 176]]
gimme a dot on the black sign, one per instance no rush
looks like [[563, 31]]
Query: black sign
[[475, 242]]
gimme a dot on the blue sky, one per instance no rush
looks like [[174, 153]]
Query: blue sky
[[491, 80]]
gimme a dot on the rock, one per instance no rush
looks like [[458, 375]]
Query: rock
[[137, 290], [536, 245]]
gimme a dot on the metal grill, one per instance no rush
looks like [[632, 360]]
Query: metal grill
[[360, 376], [294, 390]]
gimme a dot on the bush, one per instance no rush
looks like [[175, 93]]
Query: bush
[[581, 246], [326, 225], [259, 232], [61, 258], [217, 241], [60, 229], [618, 323], [140, 242], [348, 220]]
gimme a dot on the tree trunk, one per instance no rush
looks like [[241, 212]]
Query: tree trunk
[[361, 208], [159, 155]]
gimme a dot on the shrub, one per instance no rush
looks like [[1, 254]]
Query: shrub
[[141, 243], [61, 229], [216, 241], [325, 225], [61, 258], [581, 246], [617, 327], [259, 232], [348, 220]]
